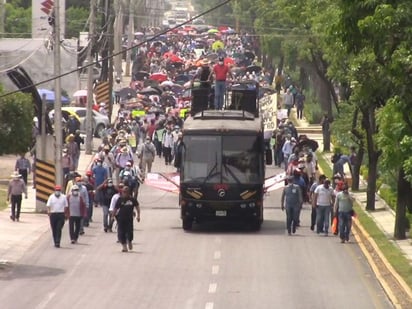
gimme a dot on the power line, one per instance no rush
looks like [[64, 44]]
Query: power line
[[122, 51]]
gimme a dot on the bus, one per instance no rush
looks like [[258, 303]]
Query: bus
[[223, 161]]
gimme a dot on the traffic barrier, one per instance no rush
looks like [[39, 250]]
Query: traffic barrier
[[102, 92], [45, 180]]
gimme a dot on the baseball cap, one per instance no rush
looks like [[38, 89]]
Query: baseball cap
[[57, 188], [75, 188]]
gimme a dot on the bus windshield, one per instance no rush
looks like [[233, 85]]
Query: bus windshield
[[223, 159]]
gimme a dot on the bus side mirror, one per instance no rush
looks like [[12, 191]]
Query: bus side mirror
[[268, 154]]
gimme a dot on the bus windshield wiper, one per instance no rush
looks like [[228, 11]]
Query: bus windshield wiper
[[211, 172], [229, 171]]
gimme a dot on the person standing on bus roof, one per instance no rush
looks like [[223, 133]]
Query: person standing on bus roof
[[220, 72]]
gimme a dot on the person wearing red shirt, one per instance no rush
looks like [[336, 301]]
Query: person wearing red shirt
[[220, 72]]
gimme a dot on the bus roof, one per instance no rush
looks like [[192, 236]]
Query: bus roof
[[230, 121]]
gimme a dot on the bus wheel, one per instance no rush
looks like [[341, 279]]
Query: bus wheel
[[187, 223]]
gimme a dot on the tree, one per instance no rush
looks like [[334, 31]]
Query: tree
[[76, 21], [17, 21], [16, 119]]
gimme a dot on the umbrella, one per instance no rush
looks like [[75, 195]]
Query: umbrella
[[150, 91], [175, 58], [50, 96], [212, 56], [249, 55], [160, 77], [236, 70], [310, 143], [181, 79], [141, 75], [167, 83], [218, 45], [80, 93], [212, 31], [150, 83], [253, 68], [229, 61], [127, 93]]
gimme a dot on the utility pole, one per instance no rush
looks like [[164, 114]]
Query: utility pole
[[2, 16], [117, 40], [89, 112], [58, 95], [130, 36], [111, 47]]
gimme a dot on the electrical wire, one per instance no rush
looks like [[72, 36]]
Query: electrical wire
[[122, 51]]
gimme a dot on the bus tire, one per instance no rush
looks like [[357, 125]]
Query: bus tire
[[187, 224]]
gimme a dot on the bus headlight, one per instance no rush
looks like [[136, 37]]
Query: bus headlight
[[252, 204], [198, 205], [243, 205], [190, 204]]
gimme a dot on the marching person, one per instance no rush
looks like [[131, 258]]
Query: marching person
[[23, 167], [76, 211], [57, 208], [15, 193], [113, 202], [124, 211], [292, 200], [323, 201], [107, 190], [344, 210]]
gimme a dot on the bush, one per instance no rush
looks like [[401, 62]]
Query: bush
[[364, 171], [389, 196], [313, 112]]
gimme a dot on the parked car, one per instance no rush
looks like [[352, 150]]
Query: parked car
[[100, 121]]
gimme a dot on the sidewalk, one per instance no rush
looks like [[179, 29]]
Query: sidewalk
[[16, 238]]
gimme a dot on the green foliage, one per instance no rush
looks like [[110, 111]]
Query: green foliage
[[364, 171], [76, 18], [389, 196], [17, 21], [16, 118], [313, 112]]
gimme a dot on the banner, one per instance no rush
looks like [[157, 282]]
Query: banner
[[268, 110]]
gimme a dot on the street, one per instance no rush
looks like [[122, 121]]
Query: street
[[214, 266]]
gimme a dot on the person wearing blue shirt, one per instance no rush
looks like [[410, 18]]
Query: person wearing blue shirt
[[100, 176]]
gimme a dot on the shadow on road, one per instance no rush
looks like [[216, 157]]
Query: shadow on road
[[21, 271]]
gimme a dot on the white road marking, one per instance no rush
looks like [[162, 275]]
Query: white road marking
[[217, 255], [209, 306], [212, 288], [46, 300], [43, 304], [215, 269]]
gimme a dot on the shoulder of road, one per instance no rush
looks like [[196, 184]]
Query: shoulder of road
[[383, 216]]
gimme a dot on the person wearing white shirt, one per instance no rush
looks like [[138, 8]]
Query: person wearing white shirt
[[57, 207], [323, 201], [287, 150], [113, 204]]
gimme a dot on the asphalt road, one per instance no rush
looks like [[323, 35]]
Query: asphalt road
[[214, 266]]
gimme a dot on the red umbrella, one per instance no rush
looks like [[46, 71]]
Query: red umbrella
[[160, 77], [229, 61], [175, 58], [168, 54]]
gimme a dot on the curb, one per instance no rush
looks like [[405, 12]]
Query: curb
[[388, 290]]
